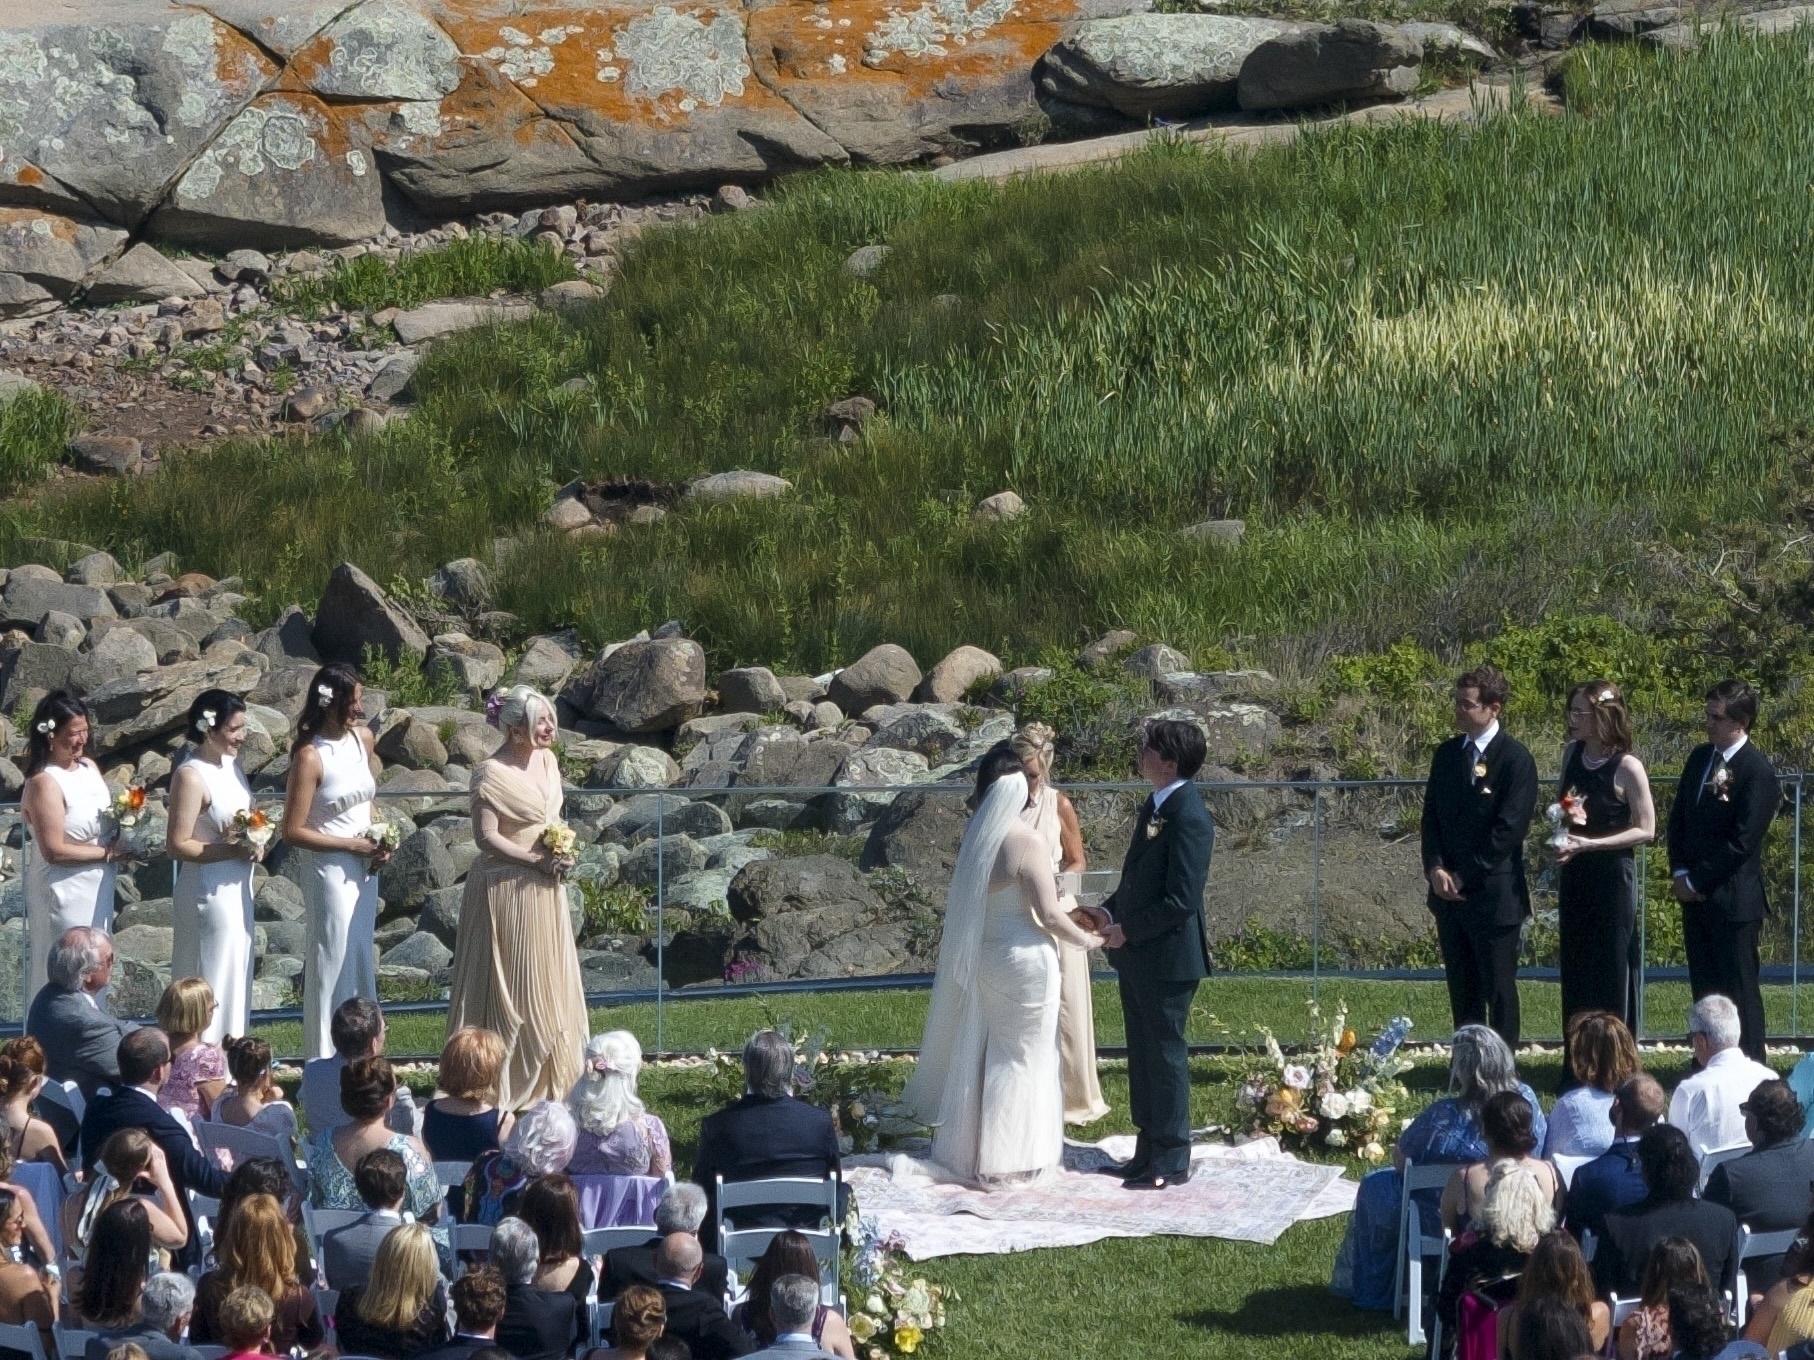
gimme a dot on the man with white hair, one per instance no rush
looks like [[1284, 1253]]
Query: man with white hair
[[682, 1210], [80, 1039], [1706, 1105], [164, 1309], [537, 1323]]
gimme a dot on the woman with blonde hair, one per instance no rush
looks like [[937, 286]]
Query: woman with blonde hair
[[515, 964], [464, 1122], [617, 1134], [401, 1311], [256, 1249], [198, 1069], [639, 1319], [1051, 814], [126, 1158], [1609, 812]]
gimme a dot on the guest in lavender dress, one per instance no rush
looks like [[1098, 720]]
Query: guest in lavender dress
[[1448, 1131], [617, 1134]]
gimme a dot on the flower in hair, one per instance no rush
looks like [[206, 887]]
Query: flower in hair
[[47, 726], [603, 1066], [494, 708], [324, 695], [207, 717], [1605, 696]]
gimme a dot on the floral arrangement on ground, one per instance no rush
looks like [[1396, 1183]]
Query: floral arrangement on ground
[[1332, 1093], [890, 1313]]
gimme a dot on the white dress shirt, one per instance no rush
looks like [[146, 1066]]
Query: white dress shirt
[[1705, 1105], [1160, 795]]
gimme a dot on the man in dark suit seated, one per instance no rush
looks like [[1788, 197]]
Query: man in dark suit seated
[[164, 1310], [682, 1210], [767, 1134], [478, 1301], [1769, 1187], [144, 1063], [1614, 1179], [80, 1039], [1668, 1209], [695, 1316]]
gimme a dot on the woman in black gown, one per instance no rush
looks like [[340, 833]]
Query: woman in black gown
[[1598, 894]]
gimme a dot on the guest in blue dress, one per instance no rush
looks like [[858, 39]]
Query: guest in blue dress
[[1448, 1131], [1601, 1054], [464, 1122]]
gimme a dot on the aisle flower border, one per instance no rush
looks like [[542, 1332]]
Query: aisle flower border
[[1332, 1094]]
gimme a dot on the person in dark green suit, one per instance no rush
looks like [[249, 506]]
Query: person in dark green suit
[[1158, 940]]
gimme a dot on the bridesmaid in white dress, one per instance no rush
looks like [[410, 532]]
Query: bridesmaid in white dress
[[212, 913], [326, 813], [74, 844], [987, 1079], [1052, 816]]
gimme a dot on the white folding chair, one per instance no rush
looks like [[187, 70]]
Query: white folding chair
[[318, 1223], [1622, 1309], [451, 1175], [601, 1322], [72, 1342], [205, 1209], [241, 1144], [64, 1093], [326, 1301], [596, 1242], [741, 1247], [1714, 1156], [212, 1352], [470, 1237], [1414, 1244], [1589, 1245], [1752, 1245], [23, 1337], [1566, 1166]]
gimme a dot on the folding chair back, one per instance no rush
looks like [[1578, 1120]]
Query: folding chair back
[[1414, 1244]]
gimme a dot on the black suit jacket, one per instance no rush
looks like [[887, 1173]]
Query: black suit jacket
[[1159, 902], [625, 1266], [1476, 828], [1720, 841], [1618, 1263], [460, 1348], [1770, 1189], [539, 1324], [128, 1108], [759, 1138], [699, 1320]]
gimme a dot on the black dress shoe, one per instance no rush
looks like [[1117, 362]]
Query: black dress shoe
[[1124, 1170], [1151, 1182]]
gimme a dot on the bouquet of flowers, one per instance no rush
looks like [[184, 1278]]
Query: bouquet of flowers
[[128, 806], [1334, 1094], [890, 1314], [255, 827], [1565, 814], [560, 839], [388, 835]]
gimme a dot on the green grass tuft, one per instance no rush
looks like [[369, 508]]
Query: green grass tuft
[[471, 268], [34, 427]]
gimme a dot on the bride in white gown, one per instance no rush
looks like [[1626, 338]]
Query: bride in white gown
[[987, 1078]]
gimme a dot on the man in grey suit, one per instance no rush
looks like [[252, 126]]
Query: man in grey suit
[[347, 1253], [80, 1039], [164, 1310], [793, 1302], [357, 1030]]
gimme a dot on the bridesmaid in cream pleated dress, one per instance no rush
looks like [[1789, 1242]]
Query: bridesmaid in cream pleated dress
[[515, 965], [1050, 813]]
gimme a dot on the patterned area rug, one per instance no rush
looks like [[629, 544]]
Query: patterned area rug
[[1250, 1193]]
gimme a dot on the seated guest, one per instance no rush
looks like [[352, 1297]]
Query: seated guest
[[538, 1324], [1506, 1122], [767, 1134], [1673, 1264], [267, 1176], [248, 1322], [1551, 1329], [694, 1316], [1705, 1105], [1480, 1065], [639, 1319], [793, 1306], [198, 1069], [1697, 1320], [550, 1206], [1601, 1054], [62, 1120], [253, 1101], [347, 1253], [144, 1062], [1767, 1187], [682, 1210], [1488, 1257], [478, 1302], [81, 1041], [28, 1138], [1556, 1270], [104, 1291], [28, 1296], [401, 1311], [1668, 1209], [130, 1164], [617, 1134], [157, 1326], [368, 1097], [1613, 1179], [540, 1145], [357, 1030], [1785, 1316], [464, 1122], [790, 1256], [37, 1237], [256, 1248]]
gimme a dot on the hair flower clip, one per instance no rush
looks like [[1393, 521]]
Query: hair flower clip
[[494, 707], [324, 695], [1605, 696], [603, 1066], [207, 717], [47, 726]]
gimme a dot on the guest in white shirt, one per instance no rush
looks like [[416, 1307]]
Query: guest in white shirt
[[1706, 1105], [1601, 1054]]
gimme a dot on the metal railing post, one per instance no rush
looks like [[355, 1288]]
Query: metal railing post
[[1643, 922], [1316, 895], [661, 897], [1795, 926]]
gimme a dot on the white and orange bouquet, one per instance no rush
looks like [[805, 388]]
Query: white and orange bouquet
[[1565, 814], [128, 806], [255, 827]]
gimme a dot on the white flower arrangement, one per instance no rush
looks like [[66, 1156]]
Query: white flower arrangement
[[1339, 1096]]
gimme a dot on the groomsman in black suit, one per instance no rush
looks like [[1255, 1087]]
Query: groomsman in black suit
[[1477, 808], [1723, 808]]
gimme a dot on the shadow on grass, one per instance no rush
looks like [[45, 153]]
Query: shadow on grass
[[1290, 1310]]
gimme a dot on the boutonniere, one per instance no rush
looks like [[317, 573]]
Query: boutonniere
[[1722, 783], [1480, 769], [1154, 827]]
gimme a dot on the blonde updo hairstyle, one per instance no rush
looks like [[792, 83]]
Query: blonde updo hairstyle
[[1035, 742], [517, 705]]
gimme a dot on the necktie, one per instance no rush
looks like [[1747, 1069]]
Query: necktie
[[1714, 765], [1472, 753]]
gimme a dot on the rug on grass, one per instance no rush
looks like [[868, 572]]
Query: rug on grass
[[1250, 1193]]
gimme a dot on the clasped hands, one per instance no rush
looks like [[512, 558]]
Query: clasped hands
[[1445, 884], [1096, 920]]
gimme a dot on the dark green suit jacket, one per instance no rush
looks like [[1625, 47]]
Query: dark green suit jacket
[[1159, 904]]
